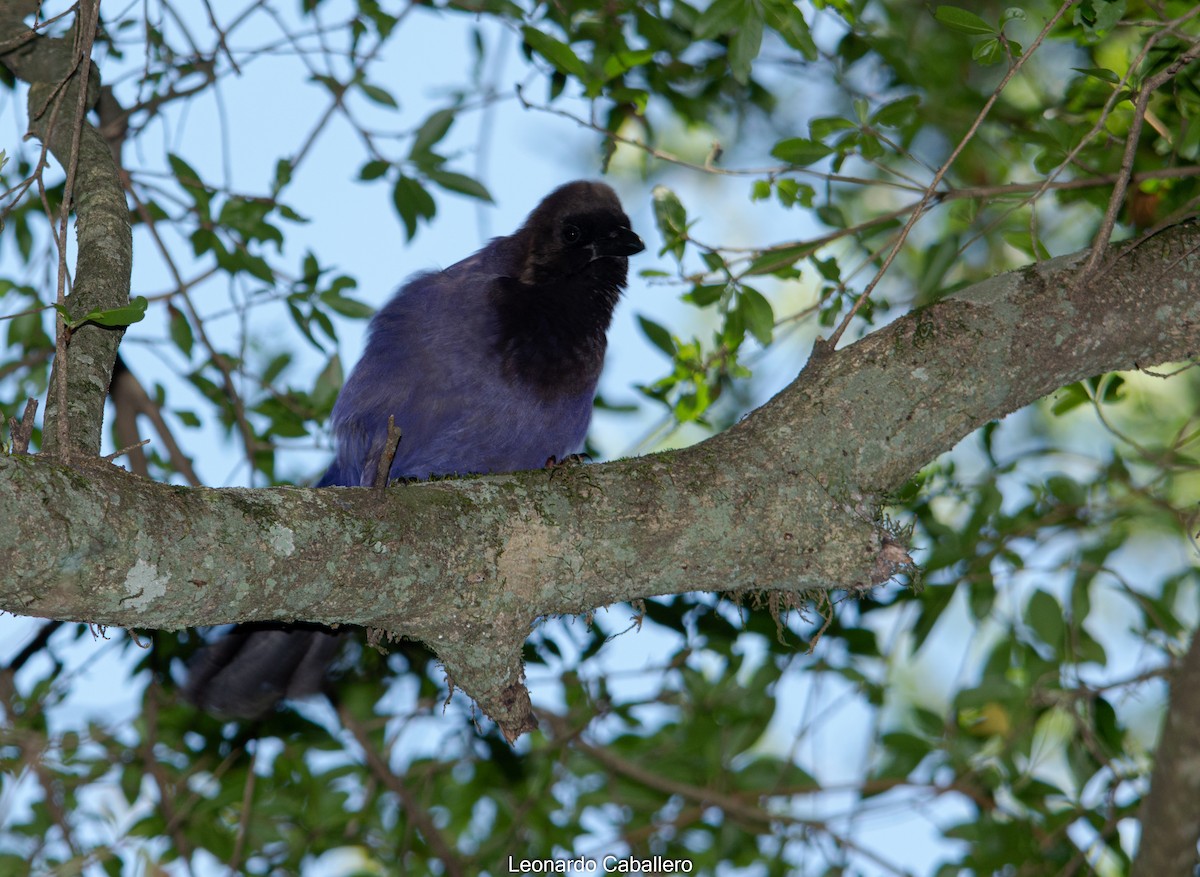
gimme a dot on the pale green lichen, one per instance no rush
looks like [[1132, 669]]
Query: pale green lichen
[[281, 540], [144, 585]]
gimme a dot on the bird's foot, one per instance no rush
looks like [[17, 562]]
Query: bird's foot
[[554, 464]]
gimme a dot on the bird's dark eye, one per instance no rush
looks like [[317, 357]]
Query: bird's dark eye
[[571, 233]]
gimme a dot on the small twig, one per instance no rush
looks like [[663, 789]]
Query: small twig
[[1149, 87], [221, 38], [34, 357], [32, 34], [130, 399], [1191, 364], [708, 167], [108, 458], [387, 454], [239, 843], [826, 613], [52, 799], [22, 433], [34, 646]]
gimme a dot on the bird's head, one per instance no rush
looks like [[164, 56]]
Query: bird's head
[[578, 228]]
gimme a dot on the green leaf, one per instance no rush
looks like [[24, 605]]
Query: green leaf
[[413, 203], [800, 151], [962, 20], [28, 331], [757, 314], [335, 87], [432, 130], [1012, 13], [705, 295], [1101, 73], [778, 258], [720, 17], [691, 406], [190, 181], [744, 46], [988, 52], [1045, 616], [623, 62], [765, 775], [283, 175], [561, 55], [1108, 388], [658, 336], [831, 215], [347, 307], [113, 317], [1098, 16], [239, 260], [903, 752], [786, 19], [1070, 396], [181, 330], [289, 214], [671, 219], [378, 95], [898, 114], [829, 268], [275, 368], [1108, 727], [1188, 146], [822, 126], [791, 192], [187, 177], [374, 169], [330, 381], [247, 217], [934, 601], [460, 183]]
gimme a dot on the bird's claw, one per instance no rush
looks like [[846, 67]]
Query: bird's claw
[[554, 464]]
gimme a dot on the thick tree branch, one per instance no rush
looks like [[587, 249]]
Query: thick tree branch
[[902, 395], [1170, 818], [105, 243], [787, 501]]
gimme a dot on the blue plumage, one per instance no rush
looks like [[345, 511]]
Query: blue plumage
[[431, 361]]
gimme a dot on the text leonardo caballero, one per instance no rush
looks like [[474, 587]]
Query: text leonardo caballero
[[605, 865]]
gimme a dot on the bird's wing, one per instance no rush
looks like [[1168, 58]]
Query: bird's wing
[[428, 358]]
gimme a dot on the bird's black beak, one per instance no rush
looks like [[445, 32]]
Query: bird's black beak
[[619, 242]]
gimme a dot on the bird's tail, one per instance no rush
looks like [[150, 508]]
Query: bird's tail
[[246, 672]]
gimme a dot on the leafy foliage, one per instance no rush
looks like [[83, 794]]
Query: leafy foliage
[[1004, 706]]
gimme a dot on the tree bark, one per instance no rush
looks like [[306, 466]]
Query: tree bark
[[105, 243], [788, 501], [1170, 816]]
